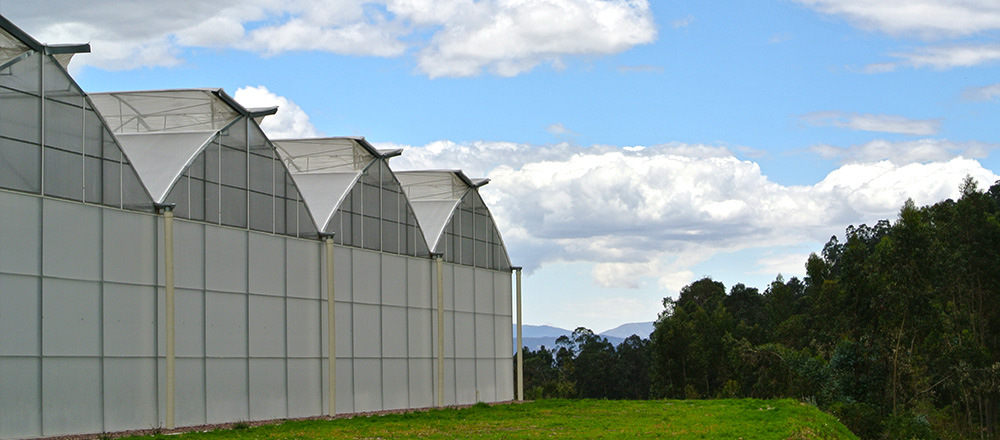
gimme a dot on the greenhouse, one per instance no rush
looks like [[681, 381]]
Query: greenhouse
[[163, 263]]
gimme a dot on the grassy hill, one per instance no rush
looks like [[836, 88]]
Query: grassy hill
[[569, 419]]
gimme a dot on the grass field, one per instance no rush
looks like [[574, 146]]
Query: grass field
[[568, 419]]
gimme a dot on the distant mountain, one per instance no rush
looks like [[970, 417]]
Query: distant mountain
[[536, 336], [642, 329]]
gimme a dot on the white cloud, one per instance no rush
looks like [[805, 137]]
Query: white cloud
[[878, 123], [941, 58], [509, 37], [658, 211], [448, 37], [903, 153], [926, 18], [984, 93], [289, 122]]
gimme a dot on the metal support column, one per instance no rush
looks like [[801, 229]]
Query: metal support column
[[168, 276], [440, 329], [331, 327], [520, 341]]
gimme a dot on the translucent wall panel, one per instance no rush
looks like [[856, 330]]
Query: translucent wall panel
[[471, 237], [239, 181], [376, 215], [52, 141]]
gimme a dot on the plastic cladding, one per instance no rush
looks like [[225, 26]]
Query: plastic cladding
[[459, 224], [52, 142], [353, 194]]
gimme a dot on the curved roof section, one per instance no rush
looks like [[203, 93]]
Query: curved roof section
[[325, 170], [162, 131], [434, 195], [156, 111]]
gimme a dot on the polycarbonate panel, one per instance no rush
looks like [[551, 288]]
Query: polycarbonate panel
[[484, 291], [394, 340], [72, 324], [304, 270], [305, 390], [485, 341], [267, 264], [465, 381], [226, 259], [395, 389], [367, 385], [130, 399], [502, 302], [226, 390], [420, 333], [233, 159], [189, 324], [503, 337], [267, 389], [129, 320], [345, 337], [20, 397], [486, 380], [71, 391], [64, 123], [345, 386], [189, 254], [465, 295], [130, 253], [267, 326], [366, 274], [63, 174], [448, 274], [190, 390], [505, 379], [70, 247], [20, 302], [234, 206], [450, 397], [421, 382], [342, 271], [394, 281], [304, 327], [226, 324], [20, 164], [418, 284], [367, 331], [20, 234], [465, 346]]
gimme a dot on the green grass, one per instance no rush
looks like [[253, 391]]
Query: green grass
[[568, 419]]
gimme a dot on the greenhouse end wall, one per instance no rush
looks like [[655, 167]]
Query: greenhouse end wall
[[82, 324]]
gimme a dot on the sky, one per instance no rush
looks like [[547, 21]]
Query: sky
[[633, 146]]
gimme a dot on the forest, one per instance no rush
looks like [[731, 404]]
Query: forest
[[895, 329]]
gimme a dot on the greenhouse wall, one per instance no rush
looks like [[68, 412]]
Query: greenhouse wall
[[83, 291], [82, 334]]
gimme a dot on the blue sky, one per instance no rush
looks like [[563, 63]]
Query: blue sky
[[633, 146]]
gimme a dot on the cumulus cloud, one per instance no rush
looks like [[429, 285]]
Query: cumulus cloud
[[509, 37], [903, 153], [657, 211], [926, 18], [289, 122], [447, 37], [869, 122]]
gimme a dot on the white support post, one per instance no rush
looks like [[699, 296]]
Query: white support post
[[168, 275], [520, 341], [331, 328], [440, 330]]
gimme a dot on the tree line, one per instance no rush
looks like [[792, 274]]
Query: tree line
[[895, 329]]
